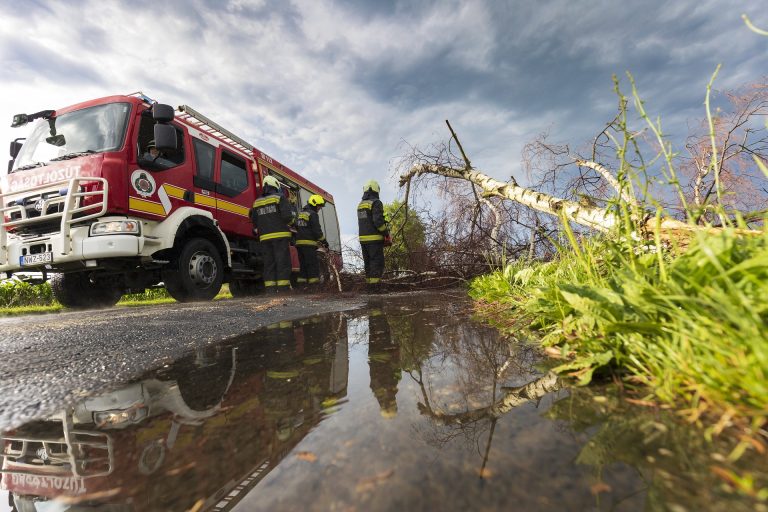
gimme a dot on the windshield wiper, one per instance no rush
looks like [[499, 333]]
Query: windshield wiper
[[74, 154], [28, 166]]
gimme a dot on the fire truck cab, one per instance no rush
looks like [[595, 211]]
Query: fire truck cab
[[121, 193]]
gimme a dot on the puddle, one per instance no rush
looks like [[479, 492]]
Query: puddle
[[405, 406]]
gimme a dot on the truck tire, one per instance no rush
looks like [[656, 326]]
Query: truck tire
[[245, 287], [196, 273], [77, 291]]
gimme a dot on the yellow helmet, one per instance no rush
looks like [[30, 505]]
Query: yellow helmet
[[271, 181], [371, 185], [316, 200]]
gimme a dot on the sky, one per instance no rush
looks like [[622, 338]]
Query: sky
[[338, 90]]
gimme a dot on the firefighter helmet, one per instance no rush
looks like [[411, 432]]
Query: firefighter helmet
[[316, 200], [271, 181], [371, 185]]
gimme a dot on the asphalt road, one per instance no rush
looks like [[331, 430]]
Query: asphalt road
[[52, 360]]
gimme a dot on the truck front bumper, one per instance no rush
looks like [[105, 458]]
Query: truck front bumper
[[79, 247]]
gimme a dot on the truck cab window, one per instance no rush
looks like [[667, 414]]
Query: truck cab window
[[149, 156], [204, 157], [234, 176]]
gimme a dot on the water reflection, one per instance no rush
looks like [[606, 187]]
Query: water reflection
[[198, 434], [383, 363], [407, 405]]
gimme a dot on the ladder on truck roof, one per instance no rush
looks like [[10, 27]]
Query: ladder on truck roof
[[202, 123]]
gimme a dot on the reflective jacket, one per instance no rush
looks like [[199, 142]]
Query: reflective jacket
[[370, 219], [272, 214], [308, 227]]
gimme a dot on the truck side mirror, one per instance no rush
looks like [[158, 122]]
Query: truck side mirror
[[15, 148], [165, 137], [162, 113]]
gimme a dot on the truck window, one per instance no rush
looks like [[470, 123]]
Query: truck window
[[163, 159], [234, 176], [204, 160], [330, 226]]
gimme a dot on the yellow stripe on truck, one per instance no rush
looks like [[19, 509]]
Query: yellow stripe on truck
[[144, 206], [205, 200], [233, 208], [174, 191]]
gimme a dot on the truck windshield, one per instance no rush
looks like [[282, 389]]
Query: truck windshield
[[89, 130]]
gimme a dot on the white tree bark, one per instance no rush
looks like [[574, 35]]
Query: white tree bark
[[609, 177], [590, 216], [593, 217]]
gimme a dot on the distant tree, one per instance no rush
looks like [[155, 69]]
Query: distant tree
[[408, 250], [738, 135]]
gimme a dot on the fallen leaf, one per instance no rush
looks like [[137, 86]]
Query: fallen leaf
[[197, 506], [370, 483], [644, 403], [307, 456], [484, 473], [599, 487], [180, 469]]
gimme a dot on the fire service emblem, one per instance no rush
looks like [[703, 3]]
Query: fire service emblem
[[143, 183]]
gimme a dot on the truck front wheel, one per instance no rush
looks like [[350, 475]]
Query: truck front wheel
[[77, 291], [196, 273]]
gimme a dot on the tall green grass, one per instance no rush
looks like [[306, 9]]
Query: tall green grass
[[689, 321], [693, 327]]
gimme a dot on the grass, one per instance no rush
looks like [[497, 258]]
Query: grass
[[20, 298], [692, 327], [685, 324]]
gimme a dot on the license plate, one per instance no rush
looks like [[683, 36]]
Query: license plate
[[33, 260]]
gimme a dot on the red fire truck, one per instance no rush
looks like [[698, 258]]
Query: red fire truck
[[122, 193]]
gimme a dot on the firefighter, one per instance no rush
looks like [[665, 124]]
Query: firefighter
[[156, 157], [272, 215], [308, 236], [373, 230]]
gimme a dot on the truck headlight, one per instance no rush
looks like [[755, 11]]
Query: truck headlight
[[120, 417], [115, 227]]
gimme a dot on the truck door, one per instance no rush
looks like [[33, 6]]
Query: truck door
[[235, 193], [202, 193], [157, 185]]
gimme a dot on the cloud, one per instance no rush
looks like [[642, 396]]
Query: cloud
[[334, 88]]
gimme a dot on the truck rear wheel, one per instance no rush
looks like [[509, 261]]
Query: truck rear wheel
[[77, 291], [196, 273]]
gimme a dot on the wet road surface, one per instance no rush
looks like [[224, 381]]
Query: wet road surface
[[49, 360], [405, 404]]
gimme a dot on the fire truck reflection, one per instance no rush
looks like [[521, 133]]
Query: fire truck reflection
[[200, 433]]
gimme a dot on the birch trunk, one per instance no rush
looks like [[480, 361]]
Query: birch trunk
[[590, 216], [593, 217]]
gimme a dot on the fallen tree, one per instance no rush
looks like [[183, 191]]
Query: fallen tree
[[625, 212]]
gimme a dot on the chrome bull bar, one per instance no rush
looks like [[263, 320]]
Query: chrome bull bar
[[72, 202]]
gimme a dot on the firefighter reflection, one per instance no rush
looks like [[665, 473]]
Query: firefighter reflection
[[383, 363], [305, 378]]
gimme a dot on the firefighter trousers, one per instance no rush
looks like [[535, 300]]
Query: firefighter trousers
[[276, 254], [373, 260], [309, 263]]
